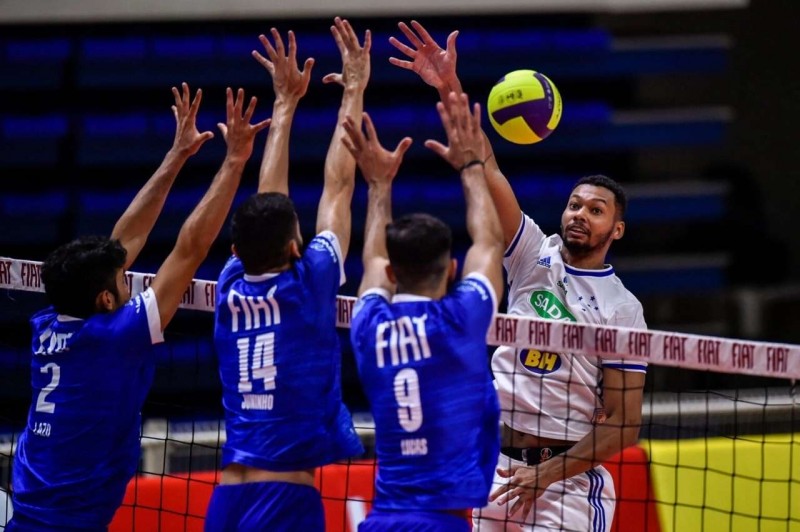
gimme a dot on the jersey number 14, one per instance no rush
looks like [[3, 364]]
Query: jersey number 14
[[257, 363]]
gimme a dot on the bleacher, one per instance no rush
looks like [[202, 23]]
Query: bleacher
[[85, 119]]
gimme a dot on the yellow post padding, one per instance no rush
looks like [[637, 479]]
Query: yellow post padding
[[718, 484]]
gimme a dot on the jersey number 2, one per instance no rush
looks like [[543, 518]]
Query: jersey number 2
[[261, 364], [406, 392], [42, 404]]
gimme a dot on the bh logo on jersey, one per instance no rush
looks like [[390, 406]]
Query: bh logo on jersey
[[540, 362]]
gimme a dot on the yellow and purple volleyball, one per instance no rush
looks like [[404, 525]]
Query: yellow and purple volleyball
[[524, 106]]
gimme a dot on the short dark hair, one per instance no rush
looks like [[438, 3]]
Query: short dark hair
[[419, 248], [75, 273], [261, 228], [620, 199]]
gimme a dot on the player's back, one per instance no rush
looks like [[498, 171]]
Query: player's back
[[81, 444], [424, 367], [280, 362]]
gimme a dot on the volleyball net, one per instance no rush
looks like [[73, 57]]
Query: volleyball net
[[719, 444]]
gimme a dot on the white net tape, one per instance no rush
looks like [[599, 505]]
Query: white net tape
[[663, 348]]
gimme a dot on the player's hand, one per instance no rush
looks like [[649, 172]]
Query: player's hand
[[288, 81], [435, 66], [238, 132], [524, 485], [187, 138], [463, 129], [355, 58], [377, 164]]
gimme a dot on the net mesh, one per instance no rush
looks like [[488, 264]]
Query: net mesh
[[719, 444]]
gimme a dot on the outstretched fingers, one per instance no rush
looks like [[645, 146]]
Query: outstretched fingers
[[402, 147], [198, 97], [372, 135], [279, 48], [423, 34], [410, 35]]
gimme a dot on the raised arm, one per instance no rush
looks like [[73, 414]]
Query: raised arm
[[437, 68], [333, 213], [289, 84], [203, 224], [378, 166], [135, 224], [465, 141]]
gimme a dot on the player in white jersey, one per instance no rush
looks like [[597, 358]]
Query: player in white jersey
[[562, 414]]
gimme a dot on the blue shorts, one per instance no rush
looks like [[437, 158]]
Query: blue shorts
[[23, 523], [413, 521], [270, 506]]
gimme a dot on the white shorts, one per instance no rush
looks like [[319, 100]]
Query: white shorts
[[582, 503]]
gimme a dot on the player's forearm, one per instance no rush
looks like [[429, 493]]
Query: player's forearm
[[483, 224], [274, 172], [451, 85], [340, 166], [379, 215], [135, 224], [602, 443], [203, 225]]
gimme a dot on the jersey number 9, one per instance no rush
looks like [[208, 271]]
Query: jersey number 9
[[406, 392]]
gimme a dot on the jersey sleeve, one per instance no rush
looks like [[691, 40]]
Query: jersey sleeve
[[628, 315], [472, 303], [323, 263], [523, 252], [137, 323]]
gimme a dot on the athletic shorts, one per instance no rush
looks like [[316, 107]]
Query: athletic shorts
[[413, 521], [583, 503], [274, 506], [22, 523]]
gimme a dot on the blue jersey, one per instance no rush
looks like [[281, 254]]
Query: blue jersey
[[81, 444], [279, 362], [425, 369]]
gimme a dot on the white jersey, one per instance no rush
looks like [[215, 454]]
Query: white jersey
[[558, 395]]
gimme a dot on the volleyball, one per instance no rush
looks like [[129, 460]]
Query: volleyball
[[524, 107]]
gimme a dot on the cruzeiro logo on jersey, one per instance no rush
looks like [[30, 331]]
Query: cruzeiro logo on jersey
[[547, 306]]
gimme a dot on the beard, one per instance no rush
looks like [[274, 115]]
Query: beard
[[582, 249]]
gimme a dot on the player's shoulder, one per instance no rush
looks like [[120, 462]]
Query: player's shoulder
[[232, 270], [325, 242], [43, 318], [623, 296], [370, 303]]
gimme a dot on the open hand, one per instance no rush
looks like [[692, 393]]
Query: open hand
[[524, 485], [187, 138], [238, 133], [435, 66], [288, 81], [377, 164], [355, 58], [463, 129]]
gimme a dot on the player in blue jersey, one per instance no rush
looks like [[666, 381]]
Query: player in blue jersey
[[275, 324], [93, 360], [421, 348], [563, 419]]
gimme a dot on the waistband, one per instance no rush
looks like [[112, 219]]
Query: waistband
[[534, 455]]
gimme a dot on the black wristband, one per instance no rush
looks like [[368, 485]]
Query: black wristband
[[471, 163]]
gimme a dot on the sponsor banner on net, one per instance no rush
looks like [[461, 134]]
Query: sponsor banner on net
[[554, 332]]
